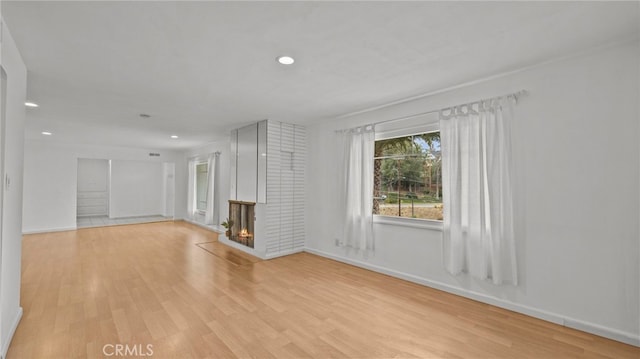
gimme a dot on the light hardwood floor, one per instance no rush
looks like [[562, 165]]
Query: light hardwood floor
[[153, 284]]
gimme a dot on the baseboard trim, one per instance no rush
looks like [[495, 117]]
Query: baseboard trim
[[12, 331], [224, 240], [210, 228], [614, 334], [136, 216], [264, 256], [283, 253], [58, 229]]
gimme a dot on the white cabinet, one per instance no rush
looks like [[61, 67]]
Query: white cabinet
[[246, 166]]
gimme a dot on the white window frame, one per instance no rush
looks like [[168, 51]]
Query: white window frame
[[195, 184], [429, 124]]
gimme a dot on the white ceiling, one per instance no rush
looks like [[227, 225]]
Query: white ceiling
[[203, 68]]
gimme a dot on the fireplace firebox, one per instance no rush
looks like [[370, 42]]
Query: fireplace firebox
[[242, 215]]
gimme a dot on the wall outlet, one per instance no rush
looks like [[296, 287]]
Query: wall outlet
[[337, 242]]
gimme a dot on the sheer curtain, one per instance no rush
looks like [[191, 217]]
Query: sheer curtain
[[191, 194], [212, 179], [478, 234], [358, 187]]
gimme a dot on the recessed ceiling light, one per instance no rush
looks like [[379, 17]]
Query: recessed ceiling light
[[47, 133], [174, 136], [285, 60], [31, 104]]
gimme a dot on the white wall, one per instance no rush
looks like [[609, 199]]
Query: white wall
[[93, 175], [576, 150], [169, 189], [50, 180], [136, 189], [10, 310]]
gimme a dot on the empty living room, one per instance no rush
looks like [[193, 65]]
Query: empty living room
[[320, 179]]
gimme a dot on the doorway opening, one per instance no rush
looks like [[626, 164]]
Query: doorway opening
[[115, 192]]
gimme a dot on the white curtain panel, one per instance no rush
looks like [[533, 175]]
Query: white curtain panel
[[478, 233], [191, 194], [216, 190], [212, 175], [358, 187]]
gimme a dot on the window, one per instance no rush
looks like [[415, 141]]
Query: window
[[408, 176], [202, 177]]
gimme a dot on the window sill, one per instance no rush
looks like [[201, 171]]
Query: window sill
[[408, 222]]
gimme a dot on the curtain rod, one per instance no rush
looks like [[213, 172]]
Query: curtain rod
[[516, 95], [203, 157]]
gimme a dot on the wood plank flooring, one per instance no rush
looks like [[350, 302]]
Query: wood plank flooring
[[229, 254], [152, 284]]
